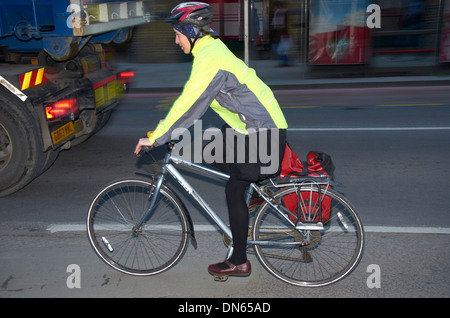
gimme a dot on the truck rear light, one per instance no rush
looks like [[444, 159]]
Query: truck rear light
[[125, 77], [61, 109]]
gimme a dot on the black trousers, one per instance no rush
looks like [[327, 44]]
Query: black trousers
[[241, 175], [235, 191]]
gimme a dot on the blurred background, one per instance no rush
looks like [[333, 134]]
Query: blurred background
[[319, 37]]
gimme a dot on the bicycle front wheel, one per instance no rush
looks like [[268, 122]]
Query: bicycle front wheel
[[160, 242], [308, 257]]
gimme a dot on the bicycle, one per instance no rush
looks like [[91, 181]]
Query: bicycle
[[304, 233]]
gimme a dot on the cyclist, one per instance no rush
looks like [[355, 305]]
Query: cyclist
[[223, 82]]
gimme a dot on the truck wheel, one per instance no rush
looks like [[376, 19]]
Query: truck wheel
[[21, 155]]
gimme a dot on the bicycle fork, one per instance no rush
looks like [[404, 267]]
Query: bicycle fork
[[153, 198]]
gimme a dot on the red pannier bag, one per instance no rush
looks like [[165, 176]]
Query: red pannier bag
[[308, 206], [319, 164], [311, 206], [291, 164]]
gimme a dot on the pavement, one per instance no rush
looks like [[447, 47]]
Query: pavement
[[171, 77]]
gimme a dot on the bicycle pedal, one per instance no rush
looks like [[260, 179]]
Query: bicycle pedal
[[220, 278]]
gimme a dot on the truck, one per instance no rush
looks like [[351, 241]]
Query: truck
[[58, 80]]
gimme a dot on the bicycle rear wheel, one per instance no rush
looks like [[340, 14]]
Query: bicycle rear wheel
[[156, 247], [308, 258]]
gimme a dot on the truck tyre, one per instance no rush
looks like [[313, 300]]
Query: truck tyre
[[21, 154]]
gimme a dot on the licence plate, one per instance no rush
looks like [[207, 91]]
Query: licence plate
[[63, 132]]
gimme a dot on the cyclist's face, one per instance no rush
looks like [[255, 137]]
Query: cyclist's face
[[182, 41]]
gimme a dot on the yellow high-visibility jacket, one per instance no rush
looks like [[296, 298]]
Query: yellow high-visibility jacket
[[224, 82]]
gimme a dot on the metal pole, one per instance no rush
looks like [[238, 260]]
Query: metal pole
[[36, 26], [246, 32], [438, 37]]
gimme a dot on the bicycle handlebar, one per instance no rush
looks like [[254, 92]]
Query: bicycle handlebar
[[169, 144]]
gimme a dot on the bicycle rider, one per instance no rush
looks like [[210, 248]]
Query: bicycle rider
[[223, 82]]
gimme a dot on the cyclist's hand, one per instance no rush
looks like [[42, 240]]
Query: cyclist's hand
[[143, 142]]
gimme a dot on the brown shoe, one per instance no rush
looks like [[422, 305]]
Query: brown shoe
[[232, 270]]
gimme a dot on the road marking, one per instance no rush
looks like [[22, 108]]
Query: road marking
[[407, 229], [295, 107], [401, 105], [358, 90], [385, 105], [369, 129], [76, 227]]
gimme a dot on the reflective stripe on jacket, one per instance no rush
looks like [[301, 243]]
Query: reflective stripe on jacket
[[223, 82]]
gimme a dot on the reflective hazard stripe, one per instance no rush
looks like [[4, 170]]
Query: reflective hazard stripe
[[32, 78], [40, 76], [25, 81], [13, 89]]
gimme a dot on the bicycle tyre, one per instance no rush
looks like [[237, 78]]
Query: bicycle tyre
[[160, 243], [328, 256]]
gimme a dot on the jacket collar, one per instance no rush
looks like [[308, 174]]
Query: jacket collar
[[200, 43]]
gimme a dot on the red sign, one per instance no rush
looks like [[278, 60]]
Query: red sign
[[338, 32]]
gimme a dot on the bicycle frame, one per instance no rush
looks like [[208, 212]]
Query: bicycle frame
[[168, 167]]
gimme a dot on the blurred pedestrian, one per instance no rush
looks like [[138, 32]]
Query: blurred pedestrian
[[281, 41]]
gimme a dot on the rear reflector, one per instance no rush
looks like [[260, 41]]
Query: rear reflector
[[125, 77]]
